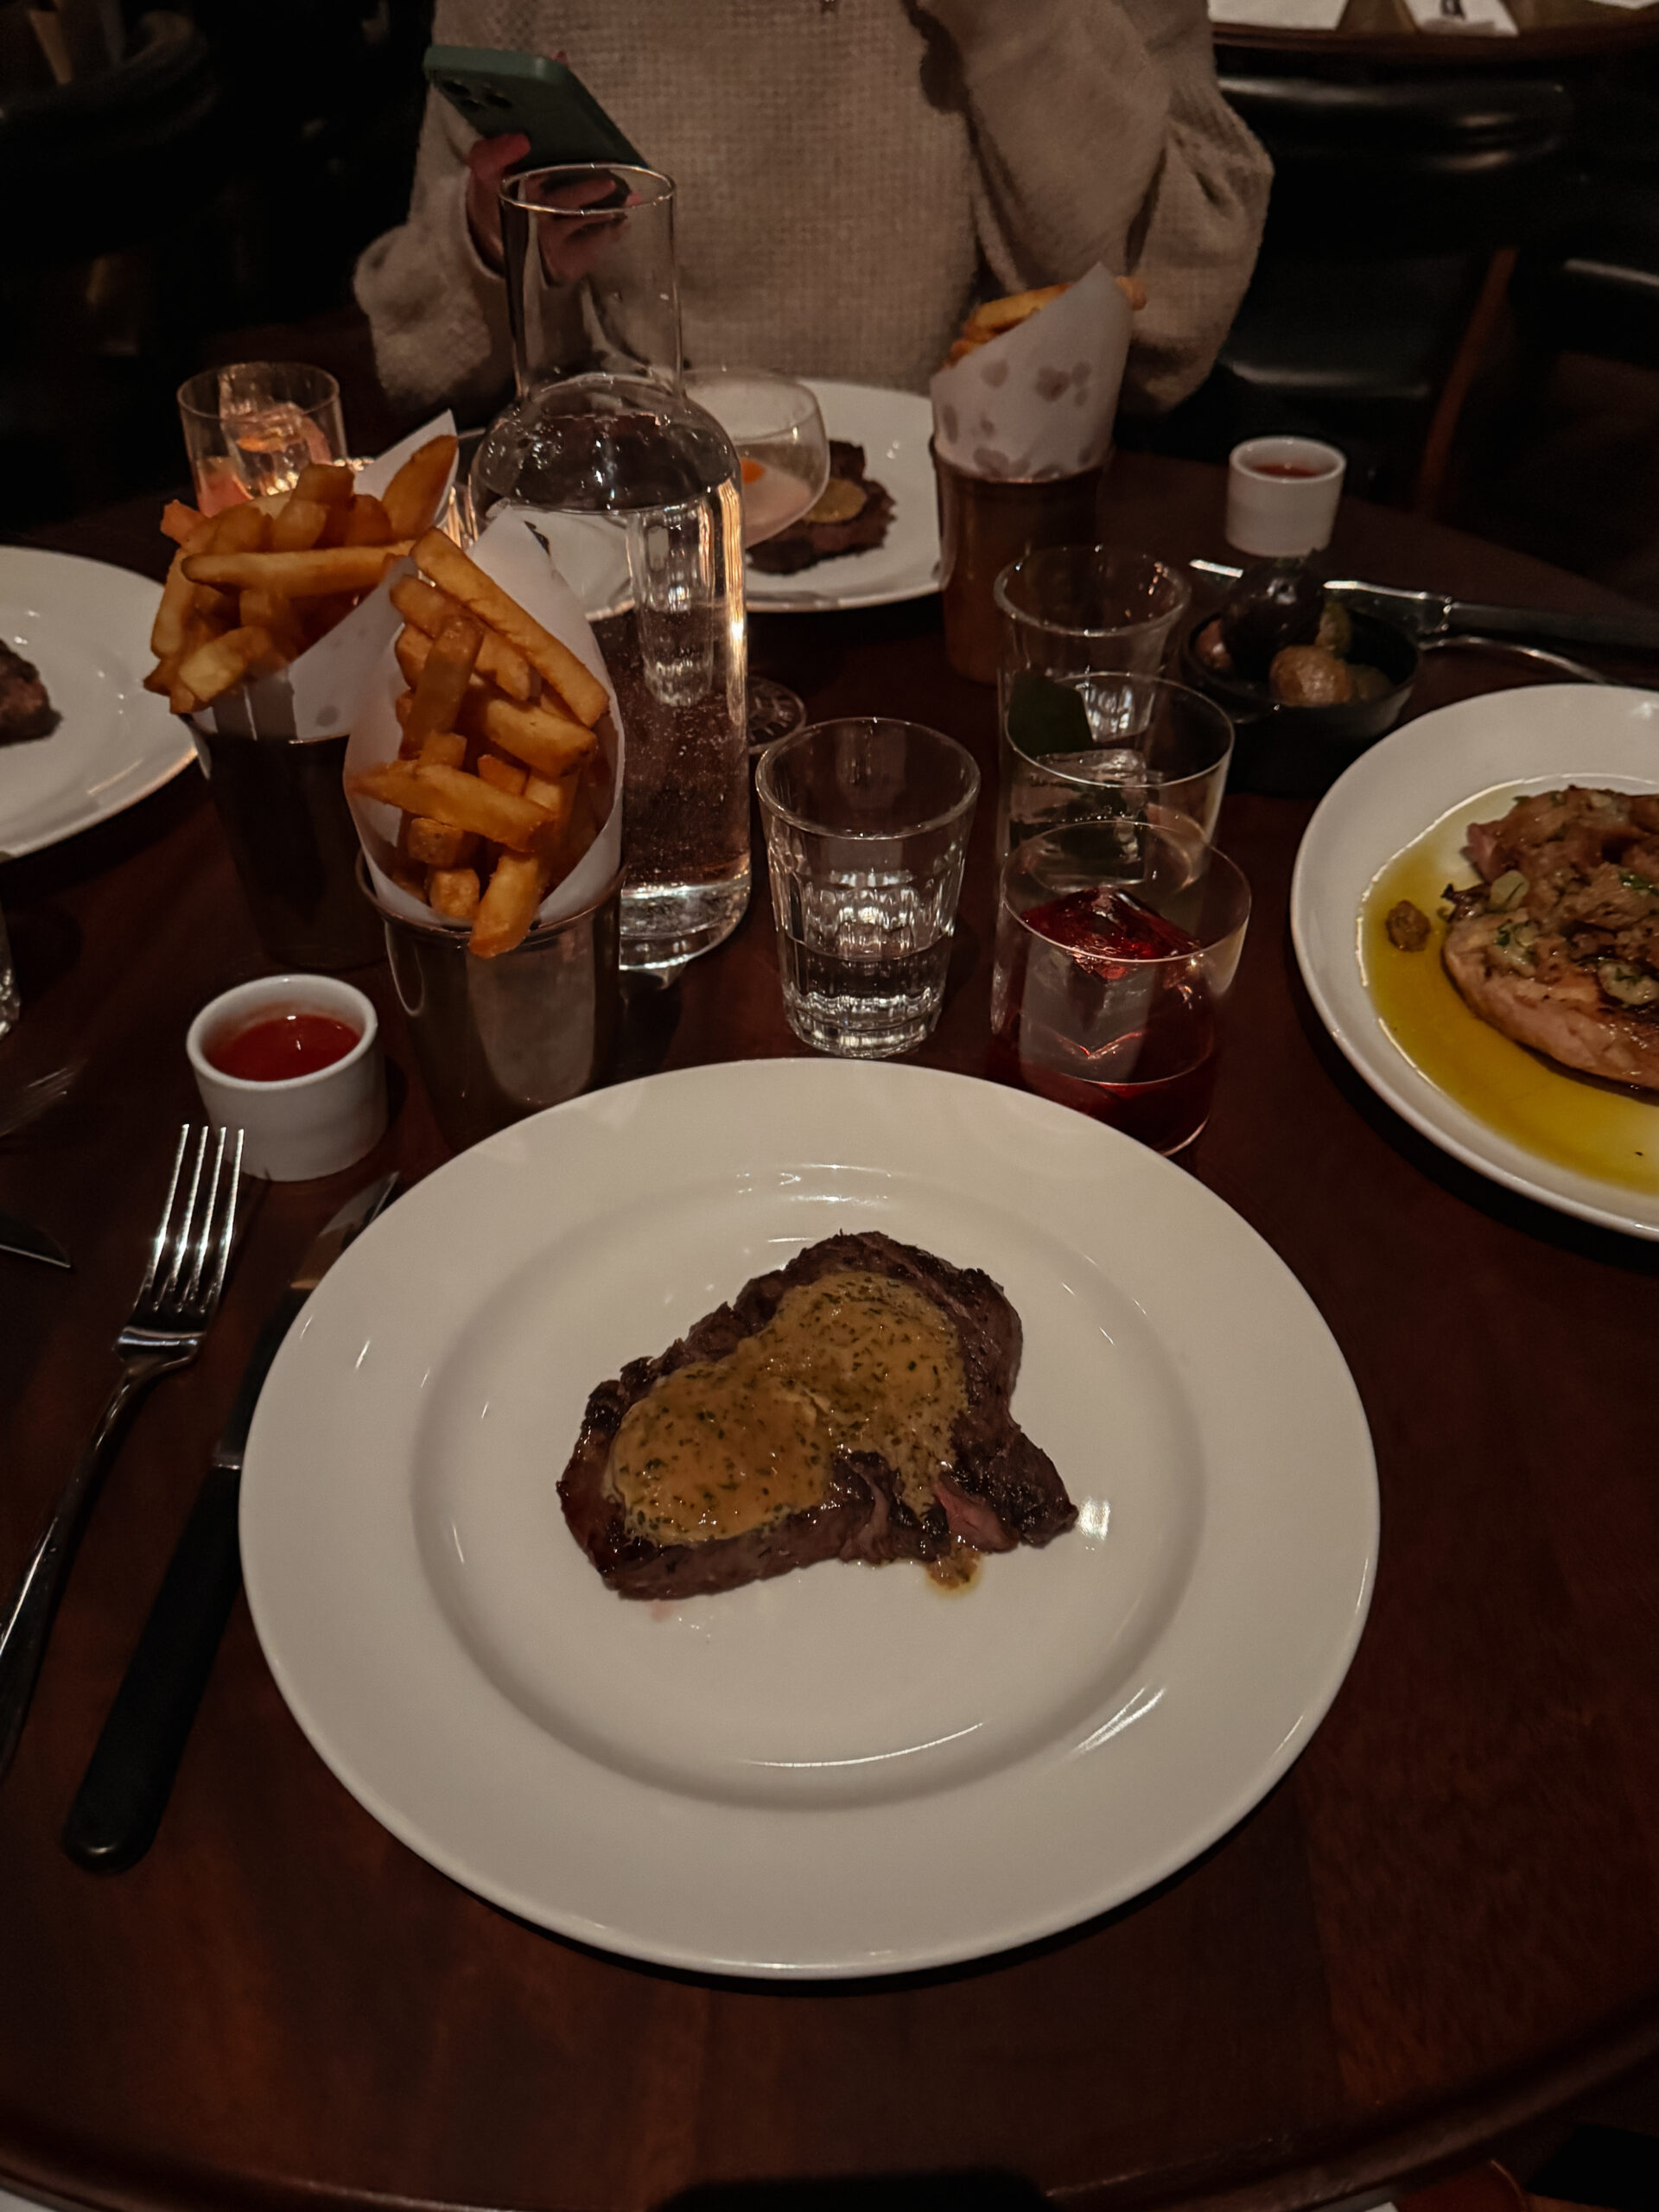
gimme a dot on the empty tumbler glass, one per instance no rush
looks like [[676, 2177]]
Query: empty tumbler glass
[[866, 827]]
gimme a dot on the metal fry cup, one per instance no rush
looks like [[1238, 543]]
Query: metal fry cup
[[985, 523], [497, 1039]]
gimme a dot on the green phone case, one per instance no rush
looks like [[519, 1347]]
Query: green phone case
[[498, 92]]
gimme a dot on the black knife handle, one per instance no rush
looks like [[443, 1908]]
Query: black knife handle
[[124, 1790]]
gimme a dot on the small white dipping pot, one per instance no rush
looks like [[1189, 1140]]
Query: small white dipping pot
[[1286, 516], [304, 1126]]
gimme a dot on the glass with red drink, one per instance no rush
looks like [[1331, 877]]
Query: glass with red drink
[[1115, 943]]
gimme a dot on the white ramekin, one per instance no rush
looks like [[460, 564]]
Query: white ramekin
[[306, 1125], [1284, 515]]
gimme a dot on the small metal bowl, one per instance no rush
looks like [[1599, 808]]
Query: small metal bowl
[[1298, 752]]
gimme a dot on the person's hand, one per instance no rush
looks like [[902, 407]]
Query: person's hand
[[487, 163]]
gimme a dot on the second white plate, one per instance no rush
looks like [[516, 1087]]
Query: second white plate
[[845, 1770], [86, 626], [893, 427], [1506, 742]]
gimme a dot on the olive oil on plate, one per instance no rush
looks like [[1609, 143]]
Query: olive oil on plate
[[1595, 1128]]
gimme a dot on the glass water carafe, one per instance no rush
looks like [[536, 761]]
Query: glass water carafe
[[638, 494]]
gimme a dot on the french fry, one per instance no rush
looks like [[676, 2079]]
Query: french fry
[[443, 748], [453, 891], [178, 602], [300, 525], [993, 315], [426, 609], [244, 529], [505, 775], [179, 522], [443, 681], [517, 887], [412, 496], [450, 795], [557, 793], [438, 844], [218, 607], [311, 575], [367, 521], [451, 570], [548, 742], [327, 482], [266, 610], [222, 663]]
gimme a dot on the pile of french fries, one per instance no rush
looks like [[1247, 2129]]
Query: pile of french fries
[[251, 587], [992, 317], [500, 778]]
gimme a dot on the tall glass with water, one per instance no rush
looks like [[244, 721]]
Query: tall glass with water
[[642, 496]]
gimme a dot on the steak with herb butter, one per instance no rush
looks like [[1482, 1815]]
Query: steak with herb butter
[[854, 1405]]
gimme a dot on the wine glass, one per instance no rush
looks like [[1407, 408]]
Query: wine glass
[[777, 429]]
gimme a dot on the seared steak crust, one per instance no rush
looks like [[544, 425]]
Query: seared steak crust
[[25, 711], [804, 544], [1003, 1491]]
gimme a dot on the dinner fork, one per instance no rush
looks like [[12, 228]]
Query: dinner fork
[[176, 1299]]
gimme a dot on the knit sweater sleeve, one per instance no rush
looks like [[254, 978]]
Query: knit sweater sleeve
[[438, 312], [1100, 134]]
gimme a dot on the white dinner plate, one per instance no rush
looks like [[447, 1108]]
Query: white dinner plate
[[86, 626], [893, 427], [1496, 748], [846, 1771]]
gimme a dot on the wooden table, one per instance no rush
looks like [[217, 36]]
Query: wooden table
[[1443, 1923]]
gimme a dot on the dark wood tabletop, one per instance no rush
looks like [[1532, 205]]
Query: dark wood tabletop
[[1554, 31], [1443, 1923]]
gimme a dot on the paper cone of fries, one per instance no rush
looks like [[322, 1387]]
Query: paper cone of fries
[[484, 770], [1038, 399]]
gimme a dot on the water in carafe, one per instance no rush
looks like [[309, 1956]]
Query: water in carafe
[[639, 499]]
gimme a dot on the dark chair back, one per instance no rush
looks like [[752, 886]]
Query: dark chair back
[[1411, 166]]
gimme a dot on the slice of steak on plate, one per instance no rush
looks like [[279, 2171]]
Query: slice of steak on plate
[[1002, 1489], [25, 711], [806, 543]]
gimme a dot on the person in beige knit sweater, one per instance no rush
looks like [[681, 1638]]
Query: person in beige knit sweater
[[848, 173]]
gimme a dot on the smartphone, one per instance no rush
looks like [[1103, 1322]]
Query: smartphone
[[499, 91]]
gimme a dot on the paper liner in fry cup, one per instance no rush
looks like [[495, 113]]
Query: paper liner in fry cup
[[1039, 400]]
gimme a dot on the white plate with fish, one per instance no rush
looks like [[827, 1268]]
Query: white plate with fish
[[894, 428], [85, 626], [846, 1769], [1393, 827]]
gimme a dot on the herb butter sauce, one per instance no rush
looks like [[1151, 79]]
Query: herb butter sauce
[[854, 1362]]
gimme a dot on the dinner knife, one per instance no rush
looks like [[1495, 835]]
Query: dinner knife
[[124, 1790], [1428, 615], [29, 1242]]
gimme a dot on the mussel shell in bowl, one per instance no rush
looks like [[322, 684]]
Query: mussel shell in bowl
[[1298, 752]]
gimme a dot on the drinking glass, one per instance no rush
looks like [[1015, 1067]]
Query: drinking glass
[[638, 494], [253, 426], [783, 448], [1115, 946], [867, 826], [1075, 610], [1091, 747]]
